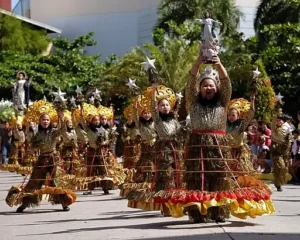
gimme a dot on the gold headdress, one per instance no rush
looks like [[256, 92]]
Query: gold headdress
[[209, 73], [241, 105], [105, 111], [67, 116], [162, 93], [89, 111], [129, 110], [37, 109]]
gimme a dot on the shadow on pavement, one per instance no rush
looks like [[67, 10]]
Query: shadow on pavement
[[154, 226]]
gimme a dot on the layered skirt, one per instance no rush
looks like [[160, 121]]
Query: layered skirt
[[44, 180], [168, 169], [216, 184], [101, 170]]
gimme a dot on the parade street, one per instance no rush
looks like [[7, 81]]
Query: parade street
[[101, 216]]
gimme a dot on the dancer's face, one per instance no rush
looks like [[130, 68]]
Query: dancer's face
[[103, 120], [146, 115], [69, 124], [164, 106], [32, 125], [96, 121], [45, 121], [208, 89], [233, 115], [279, 122]]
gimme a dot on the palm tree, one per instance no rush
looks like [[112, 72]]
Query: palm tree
[[225, 11], [173, 62]]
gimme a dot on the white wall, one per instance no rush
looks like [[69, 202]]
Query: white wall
[[115, 32], [117, 27]]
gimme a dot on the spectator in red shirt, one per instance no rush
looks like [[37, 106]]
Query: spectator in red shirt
[[267, 133]]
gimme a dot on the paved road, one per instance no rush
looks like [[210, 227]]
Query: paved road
[[107, 217]]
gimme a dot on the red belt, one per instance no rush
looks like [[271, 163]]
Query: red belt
[[218, 132]]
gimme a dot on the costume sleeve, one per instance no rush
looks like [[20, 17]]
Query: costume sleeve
[[191, 91], [248, 119], [225, 91]]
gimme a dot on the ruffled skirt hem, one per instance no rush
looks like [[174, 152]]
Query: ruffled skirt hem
[[16, 196]]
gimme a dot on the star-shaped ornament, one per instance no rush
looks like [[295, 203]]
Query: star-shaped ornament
[[73, 100], [256, 73], [44, 98], [78, 90], [131, 83], [92, 99], [97, 93], [59, 95], [179, 96], [149, 64], [100, 130], [279, 97], [30, 103]]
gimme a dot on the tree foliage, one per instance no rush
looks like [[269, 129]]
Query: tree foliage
[[173, 62], [225, 11], [17, 36], [240, 58], [65, 68], [274, 12], [281, 58]]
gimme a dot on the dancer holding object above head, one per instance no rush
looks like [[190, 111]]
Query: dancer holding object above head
[[213, 189]]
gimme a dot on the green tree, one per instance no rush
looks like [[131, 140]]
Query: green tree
[[225, 11], [281, 58], [240, 59], [65, 68], [271, 12], [173, 62], [17, 36]]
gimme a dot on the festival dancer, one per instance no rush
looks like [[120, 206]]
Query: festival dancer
[[280, 147], [213, 189], [168, 149], [43, 177], [131, 138], [70, 147], [101, 163], [240, 114], [18, 146], [145, 165], [30, 154]]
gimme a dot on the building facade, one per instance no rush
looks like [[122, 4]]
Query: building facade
[[118, 25], [5, 4]]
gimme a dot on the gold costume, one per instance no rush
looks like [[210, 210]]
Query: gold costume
[[280, 147], [44, 177], [213, 189], [239, 148]]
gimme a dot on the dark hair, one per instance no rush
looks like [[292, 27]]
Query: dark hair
[[282, 117]]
